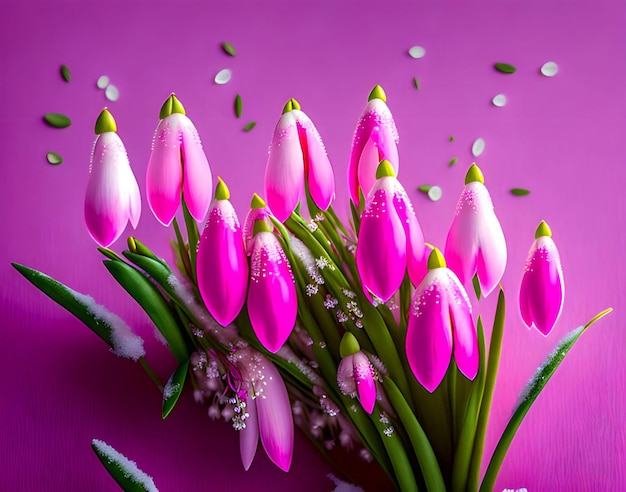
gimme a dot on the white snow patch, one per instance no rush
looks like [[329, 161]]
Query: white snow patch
[[130, 467], [343, 486]]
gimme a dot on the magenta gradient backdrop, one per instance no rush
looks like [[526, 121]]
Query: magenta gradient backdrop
[[562, 138]]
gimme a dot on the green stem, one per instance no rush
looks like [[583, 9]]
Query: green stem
[[182, 249], [151, 374]]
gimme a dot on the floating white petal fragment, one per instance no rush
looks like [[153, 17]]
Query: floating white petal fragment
[[549, 69], [417, 52], [103, 81], [478, 147], [112, 93], [223, 76], [434, 193], [499, 100]]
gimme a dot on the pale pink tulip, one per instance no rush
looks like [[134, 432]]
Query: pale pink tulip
[[475, 243], [355, 374], [269, 412], [222, 265], [440, 322], [112, 197], [542, 291], [272, 298], [390, 238], [297, 157], [177, 166], [375, 139]]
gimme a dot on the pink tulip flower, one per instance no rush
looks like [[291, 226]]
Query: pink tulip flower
[[112, 197], [542, 291], [475, 242], [272, 298], [258, 211], [355, 374], [440, 322], [297, 156], [269, 412], [222, 264], [375, 139], [177, 162], [390, 238]]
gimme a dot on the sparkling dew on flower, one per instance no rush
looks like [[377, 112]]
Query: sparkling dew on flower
[[542, 290], [112, 197]]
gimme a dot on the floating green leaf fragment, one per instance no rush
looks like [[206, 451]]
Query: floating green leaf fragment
[[57, 120], [249, 126], [451, 139], [452, 162], [229, 49], [65, 73], [424, 188], [416, 83], [519, 192], [238, 105], [54, 158], [505, 68]]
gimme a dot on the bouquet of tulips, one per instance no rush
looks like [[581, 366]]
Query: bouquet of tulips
[[358, 331]]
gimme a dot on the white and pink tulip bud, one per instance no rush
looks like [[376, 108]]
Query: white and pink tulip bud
[[258, 211], [475, 242], [440, 323], [375, 139], [112, 198], [542, 291], [177, 166], [390, 239], [297, 157], [222, 264], [355, 374], [272, 297]]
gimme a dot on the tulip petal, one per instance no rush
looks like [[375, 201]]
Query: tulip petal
[[492, 255], [165, 174], [222, 265], [464, 331], [542, 289], [249, 435], [429, 333], [274, 416], [197, 180], [112, 195], [364, 378], [284, 172], [272, 299], [417, 257], [317, 167], [381, 249], [254, 214]]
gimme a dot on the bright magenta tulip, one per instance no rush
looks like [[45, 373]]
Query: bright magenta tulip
[[177, 162], [390, 238], [272, 298], [542, 291], [375, 139], [355, 374], [112, 197], [222, 264], [475, 243], [440, 323], [297, 156]]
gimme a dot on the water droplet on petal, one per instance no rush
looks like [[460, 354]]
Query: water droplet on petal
[[223, 76], [103, 81], [417, 52], [549, 69], [499, 100], [112, 93], [478, 147]]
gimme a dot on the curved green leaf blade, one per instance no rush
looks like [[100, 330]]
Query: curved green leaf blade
[[124, 471], [528, 397], [174, 388]]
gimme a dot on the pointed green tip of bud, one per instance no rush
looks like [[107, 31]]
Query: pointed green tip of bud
[[291, 105], [474, 174], [543, 230], [171, 105], [349, 345], [436, 259], [378, 93], [257, 202], [385, 169], [261, 226], [105, 122], [221, 190], [132, 245]]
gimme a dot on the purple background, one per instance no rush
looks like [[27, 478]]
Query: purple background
[[562, 138]]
